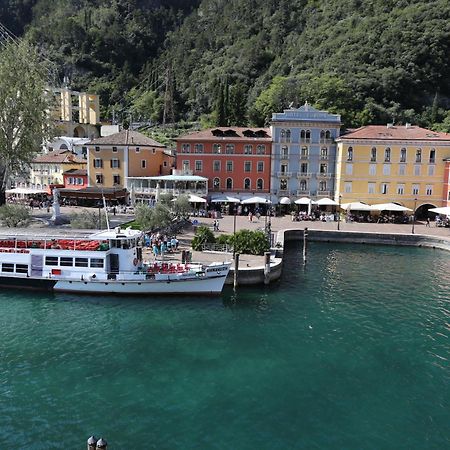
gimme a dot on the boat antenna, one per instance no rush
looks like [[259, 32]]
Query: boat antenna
[[106, 211]]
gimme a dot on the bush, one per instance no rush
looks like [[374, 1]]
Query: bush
[[202, 236], [14, 215], [250, 242], [87, 220]]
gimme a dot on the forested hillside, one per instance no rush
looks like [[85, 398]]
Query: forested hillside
[[237, 61]]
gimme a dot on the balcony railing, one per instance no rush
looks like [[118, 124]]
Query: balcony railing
[[284, 155], [327, 141], [325, 157], [303, 174], [324, 175], [305, 140], [303, 192], [324, 193], [304, 156], [284, 174]]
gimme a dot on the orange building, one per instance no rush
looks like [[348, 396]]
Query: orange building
[[125, 154], [234, 159]]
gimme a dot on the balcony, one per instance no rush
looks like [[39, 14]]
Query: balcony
[[304, 156], [284, 156], [302, 192], [324, 175], [327, 141], [324, 193], [284, 174], [305, 140], [304, 174], [325, 157]]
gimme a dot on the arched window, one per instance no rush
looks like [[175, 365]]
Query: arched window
[[217, 148], [229, 149], [403, 154], [302, 135], [303, 185], [308, 135], [350, 154], [419, 155], [373, 154], [283, 135], [229, 183], [247, 183], [324, 153], [259, 184], [284, 152], [322, 134], [288, 135], [322, 186], [387, 154], [328, 134], [261, 149], [432, 156], [216, 183]]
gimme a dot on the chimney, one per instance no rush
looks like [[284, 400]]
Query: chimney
[[407, 125]]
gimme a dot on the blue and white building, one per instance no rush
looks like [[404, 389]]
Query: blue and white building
[[303, 159]]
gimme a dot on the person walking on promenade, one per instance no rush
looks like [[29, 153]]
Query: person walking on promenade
[[428, 222]]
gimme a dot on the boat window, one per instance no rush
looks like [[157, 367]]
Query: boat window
[[21, 268], [6, 267], [81, 262], [68, 262], [51, 260], [97, 262]]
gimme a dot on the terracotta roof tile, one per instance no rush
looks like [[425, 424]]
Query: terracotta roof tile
[[127, 137], [397, 132], [229, 134], [58, 158]]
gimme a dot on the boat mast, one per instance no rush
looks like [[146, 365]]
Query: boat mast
[[106, 211]]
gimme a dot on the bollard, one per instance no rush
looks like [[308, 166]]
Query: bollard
[[236, 270], [266, 267], [183, 256], [305, 237], [91, 443], [102, 444]]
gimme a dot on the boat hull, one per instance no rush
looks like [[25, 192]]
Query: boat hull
[[194, 286]]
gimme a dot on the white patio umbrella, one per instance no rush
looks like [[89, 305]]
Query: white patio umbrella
[[389, 207], [356, 206], [252, 200], [225, 199], [304, 201], [327, 202], [445, 210], [285, 201], [196, 199]]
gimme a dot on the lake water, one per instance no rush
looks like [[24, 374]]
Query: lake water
[[349, 352]]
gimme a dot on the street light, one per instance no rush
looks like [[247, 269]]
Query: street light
[[414, 216], [234, 229], [339, 212]]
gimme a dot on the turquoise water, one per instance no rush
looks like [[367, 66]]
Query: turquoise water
[[351, 352]]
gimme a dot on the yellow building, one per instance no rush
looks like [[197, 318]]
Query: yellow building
[[400, 164], [47, 169], [128, 153]]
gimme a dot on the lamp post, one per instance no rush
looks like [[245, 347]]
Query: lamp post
[[234, 229], [414, 216], [339, 213]]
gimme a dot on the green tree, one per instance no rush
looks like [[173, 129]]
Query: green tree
[[203, 235], [150, 218], [24, 104], [181, 207], [14, 215]]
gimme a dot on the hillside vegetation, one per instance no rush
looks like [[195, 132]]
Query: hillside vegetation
[[236, 62]]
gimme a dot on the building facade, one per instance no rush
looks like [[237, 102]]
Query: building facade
[[235, 160], [402, 164], [111, 159], [304, 152], [47, 170], [75, 179]]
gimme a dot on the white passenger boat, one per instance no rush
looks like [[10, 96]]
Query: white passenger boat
[[108, 262]]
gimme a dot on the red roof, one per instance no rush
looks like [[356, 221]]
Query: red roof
[[65, 157], [229, 134], [395, 132], [127, 137]]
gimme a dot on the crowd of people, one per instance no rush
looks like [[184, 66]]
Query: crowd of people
[[161, 243]]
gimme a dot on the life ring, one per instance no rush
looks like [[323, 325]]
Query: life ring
[[135, 261]]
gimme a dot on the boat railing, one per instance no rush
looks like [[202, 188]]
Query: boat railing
[[54, 244]]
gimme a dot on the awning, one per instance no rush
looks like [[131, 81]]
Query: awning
[[256, 200], [196, 199], [285, 201], [225, 199], [25, 191]]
